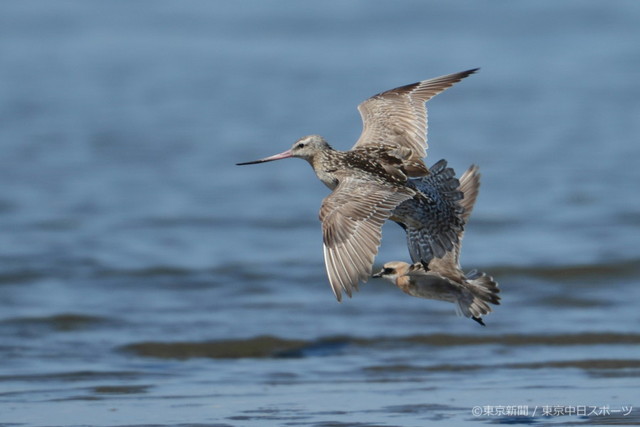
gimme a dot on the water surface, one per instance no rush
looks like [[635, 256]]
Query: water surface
[[146, 280]]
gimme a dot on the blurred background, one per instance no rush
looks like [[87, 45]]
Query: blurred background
[[146, 279]]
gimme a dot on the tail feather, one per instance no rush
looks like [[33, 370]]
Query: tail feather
[[481, 290], [485, 286]]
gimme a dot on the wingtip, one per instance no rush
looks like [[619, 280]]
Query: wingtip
[[479, 320], [463, 74], [336, 290]]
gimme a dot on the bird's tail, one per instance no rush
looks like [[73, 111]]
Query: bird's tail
[[482, 290]]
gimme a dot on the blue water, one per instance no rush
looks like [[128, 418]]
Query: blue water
[[147, 280]]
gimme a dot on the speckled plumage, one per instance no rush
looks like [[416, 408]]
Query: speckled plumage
[[372, 179], [434, 220], [442, 278]]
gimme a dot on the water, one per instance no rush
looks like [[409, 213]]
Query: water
[[146, 280]]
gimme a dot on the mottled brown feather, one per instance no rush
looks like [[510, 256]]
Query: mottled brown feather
[[398, 117]]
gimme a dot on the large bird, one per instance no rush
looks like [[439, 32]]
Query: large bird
[[372, 179]]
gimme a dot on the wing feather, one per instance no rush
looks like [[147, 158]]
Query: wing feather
[[352, 218], [398, 117], [469, 186]]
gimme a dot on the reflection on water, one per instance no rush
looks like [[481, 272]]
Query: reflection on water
[[146, 280]]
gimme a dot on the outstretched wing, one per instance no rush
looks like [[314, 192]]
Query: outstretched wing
[[469, 186], [352, 218], [433, 221], [398, 117]]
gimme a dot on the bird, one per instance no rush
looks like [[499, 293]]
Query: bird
[[442, 278], [372, 179]]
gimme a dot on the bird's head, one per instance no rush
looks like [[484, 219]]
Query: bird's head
[[392, 270], [304, 148]]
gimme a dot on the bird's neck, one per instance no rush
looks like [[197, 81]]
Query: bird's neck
[[325, 163], [404, 283]]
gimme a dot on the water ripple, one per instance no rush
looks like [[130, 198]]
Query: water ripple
[[275, 347]]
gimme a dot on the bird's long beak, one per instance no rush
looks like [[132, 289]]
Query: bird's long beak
[[378, 274], [282, 155]]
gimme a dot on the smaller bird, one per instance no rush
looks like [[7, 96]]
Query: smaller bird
[[442, 279]]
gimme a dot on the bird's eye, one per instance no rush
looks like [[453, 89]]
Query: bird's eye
[[300, 145], [388, 271]]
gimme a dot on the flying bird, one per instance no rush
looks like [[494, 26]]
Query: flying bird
[[442, 278], [373, 179]]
